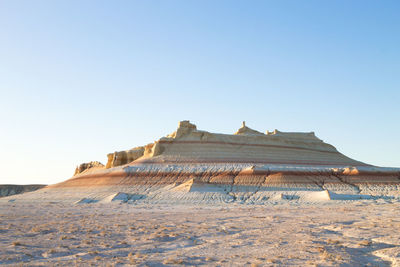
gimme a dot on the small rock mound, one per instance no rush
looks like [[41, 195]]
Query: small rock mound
[[84, 166], [244, 130], [184, 128]]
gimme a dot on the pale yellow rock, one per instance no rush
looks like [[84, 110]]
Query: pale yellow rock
[[244, 130], [148, 150], [184, 128], [246, 145], [119, 158], [85, 166]]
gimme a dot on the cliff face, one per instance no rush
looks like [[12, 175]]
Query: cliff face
[[119, 158], [13, 189], [189, 145]]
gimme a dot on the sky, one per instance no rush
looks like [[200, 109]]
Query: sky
[[80, 79]]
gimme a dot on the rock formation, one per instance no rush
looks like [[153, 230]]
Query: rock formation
[[249, 166], [119, 158], [247, 157], [244, 130], [85, 166], [189, 145]]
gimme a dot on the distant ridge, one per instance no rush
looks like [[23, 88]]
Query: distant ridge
[[13, 189]]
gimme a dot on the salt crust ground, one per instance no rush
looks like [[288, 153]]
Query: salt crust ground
[[332, 233]]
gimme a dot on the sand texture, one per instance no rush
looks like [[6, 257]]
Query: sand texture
[[361, 233]]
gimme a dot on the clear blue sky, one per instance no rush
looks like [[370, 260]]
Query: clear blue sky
[[80, 79]]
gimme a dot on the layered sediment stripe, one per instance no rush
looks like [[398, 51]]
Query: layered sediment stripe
[[242, 144], [165, 160], [240, 177], [228, 152]]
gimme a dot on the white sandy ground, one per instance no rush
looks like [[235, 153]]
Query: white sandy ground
[[333, 233]]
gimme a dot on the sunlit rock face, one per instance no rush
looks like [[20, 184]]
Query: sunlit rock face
[[244, 130], [248, 166], [248, 157], [189, 145], [85, 166], [119, 158]]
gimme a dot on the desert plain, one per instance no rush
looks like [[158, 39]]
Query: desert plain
[[283, 233]]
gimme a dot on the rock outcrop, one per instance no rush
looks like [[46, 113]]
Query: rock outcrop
[[85, 166], [248, 157], [119, 158], [189, 145], [246, 166], [244, 130]]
